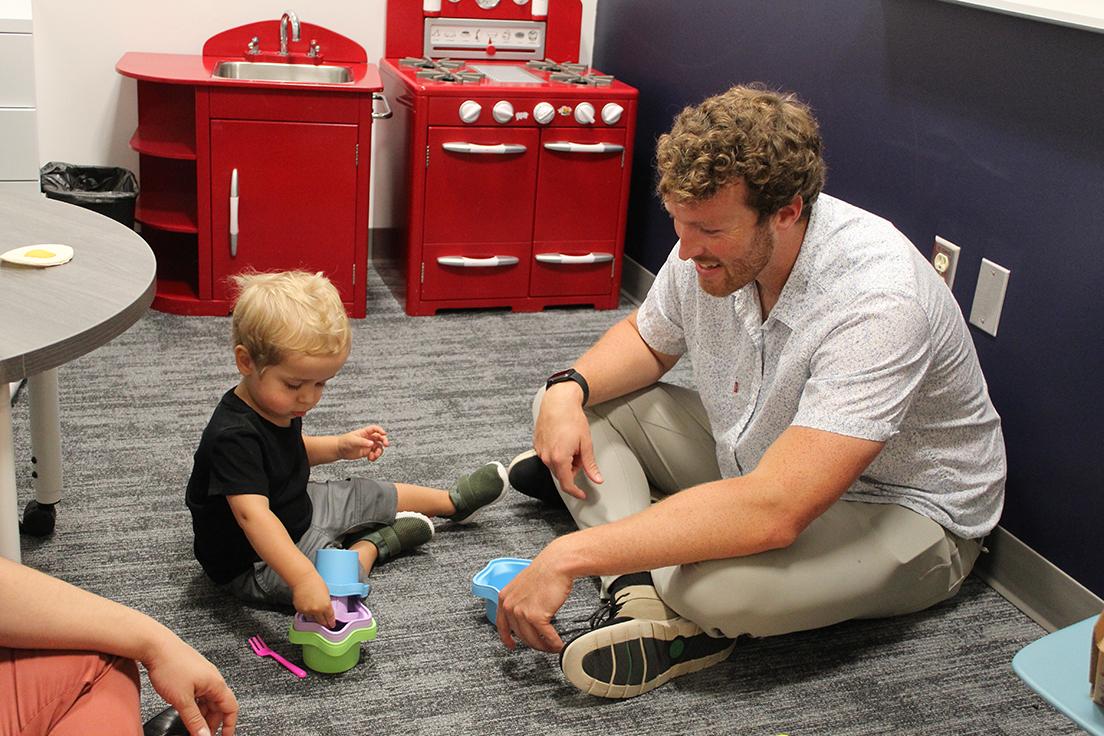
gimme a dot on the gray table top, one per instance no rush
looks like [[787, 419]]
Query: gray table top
[[49, 316]]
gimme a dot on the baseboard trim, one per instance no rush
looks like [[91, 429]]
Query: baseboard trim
[[1033, 584], [635, 280]]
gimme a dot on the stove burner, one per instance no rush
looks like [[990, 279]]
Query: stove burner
[[443, 75], [441, 70], [424, 62], [547, 65], [569, 77]]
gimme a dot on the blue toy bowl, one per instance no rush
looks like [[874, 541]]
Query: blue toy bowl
[[490, 581]]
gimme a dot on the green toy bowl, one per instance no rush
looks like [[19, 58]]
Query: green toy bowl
[[331, 664], [329, 657]]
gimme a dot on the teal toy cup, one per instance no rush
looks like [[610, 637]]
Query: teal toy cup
[[490, 581], [340, 568]]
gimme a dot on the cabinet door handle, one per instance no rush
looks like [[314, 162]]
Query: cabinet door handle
[[465, 262], [387, 106], [498, 149], [569, 147], [234, 213], [563, 258]]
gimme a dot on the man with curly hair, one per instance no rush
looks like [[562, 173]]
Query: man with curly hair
[[840, 458]]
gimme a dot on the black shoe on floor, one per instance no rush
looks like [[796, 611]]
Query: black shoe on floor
[[165, 723], [530, 476], [636, 643]]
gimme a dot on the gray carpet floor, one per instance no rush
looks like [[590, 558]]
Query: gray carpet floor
[[454, 392]]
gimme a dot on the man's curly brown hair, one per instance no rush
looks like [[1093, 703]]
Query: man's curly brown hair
[[769, 139]]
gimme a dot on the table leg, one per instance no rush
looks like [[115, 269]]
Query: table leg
[[45, 436], [9, 510]]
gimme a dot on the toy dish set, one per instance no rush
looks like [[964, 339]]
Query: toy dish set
[[338, 649], [490, 581]]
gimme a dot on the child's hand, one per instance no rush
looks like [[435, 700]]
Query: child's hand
[[364, 443], [311, 598]]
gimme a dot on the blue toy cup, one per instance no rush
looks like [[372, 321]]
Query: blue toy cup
[[340, 568], [490, 581]]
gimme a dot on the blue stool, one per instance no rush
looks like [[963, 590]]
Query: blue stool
[[1057, 667]]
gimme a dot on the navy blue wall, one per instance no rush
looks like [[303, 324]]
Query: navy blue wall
[[983, 128]]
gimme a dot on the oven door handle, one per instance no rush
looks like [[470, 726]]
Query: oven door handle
[[496, 149], [378, 97], [563, 258], [569, 147], [465, 262]]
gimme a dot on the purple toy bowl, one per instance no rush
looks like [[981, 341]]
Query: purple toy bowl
[[351, 615], [490, 581]]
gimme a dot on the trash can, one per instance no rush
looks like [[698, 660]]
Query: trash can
[[109, 190]]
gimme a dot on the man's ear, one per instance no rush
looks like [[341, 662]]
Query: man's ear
[[244, 361], [790, 213]]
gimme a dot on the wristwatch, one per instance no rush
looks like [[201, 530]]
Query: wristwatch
[[569, 375]]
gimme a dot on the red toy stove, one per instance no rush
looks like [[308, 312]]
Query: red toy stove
[[507, 173]]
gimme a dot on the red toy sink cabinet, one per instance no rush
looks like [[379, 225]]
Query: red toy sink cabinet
[[296, 156]]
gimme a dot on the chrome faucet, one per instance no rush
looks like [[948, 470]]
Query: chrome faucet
[[288, 16]]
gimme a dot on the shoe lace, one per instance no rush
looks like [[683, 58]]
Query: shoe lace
[[607, 611]]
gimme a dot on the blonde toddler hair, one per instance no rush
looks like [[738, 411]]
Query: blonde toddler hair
[[288, 312]]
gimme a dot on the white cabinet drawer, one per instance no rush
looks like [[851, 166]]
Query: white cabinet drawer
[[16, 70], [18, 144]]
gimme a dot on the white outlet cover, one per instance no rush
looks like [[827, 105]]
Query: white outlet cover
[[992, 284], [950, 251]]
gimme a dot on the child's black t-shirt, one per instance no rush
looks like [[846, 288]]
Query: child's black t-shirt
[[242, 452]]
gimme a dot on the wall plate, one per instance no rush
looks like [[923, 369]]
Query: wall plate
[[992, 284], [945, 259]]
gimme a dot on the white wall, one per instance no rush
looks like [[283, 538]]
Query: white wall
[[87, 112]]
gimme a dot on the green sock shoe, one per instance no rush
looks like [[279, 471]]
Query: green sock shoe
[[409, 530], [482, 488]]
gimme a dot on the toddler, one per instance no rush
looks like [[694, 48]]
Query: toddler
[[258, 519]]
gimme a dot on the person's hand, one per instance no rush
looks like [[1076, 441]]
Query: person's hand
[[364, 443], [528, 603], [311, 597], [192, 685], [561, 438]]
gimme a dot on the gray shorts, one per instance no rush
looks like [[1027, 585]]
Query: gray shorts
[[342, 509]]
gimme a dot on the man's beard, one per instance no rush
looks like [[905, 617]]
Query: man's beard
[[738, 274]]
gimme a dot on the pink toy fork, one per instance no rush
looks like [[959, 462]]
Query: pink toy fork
[[261, 649]]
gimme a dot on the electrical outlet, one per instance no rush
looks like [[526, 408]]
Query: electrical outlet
[[989, 296], [945, 259]]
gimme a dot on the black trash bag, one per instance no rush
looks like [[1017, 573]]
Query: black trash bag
[[109, 190]]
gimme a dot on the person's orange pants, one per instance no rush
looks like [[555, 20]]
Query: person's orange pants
[[64, 693]]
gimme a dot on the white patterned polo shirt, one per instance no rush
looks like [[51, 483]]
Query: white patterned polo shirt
[[865, 341]]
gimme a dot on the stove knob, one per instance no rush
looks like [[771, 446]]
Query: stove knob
[[584, 113], [503, 112], [611, 113], [543, 113], [469, 111]]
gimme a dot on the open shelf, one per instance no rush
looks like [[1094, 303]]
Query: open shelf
[[142, 142], [165, 212]]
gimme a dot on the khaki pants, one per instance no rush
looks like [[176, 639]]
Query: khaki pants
[[857, 560]]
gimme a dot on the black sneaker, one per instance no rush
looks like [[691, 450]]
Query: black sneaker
[[530, 476], [636, 644]]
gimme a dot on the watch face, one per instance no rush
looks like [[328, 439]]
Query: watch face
[[486, 4]]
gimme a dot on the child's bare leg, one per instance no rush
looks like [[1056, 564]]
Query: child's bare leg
[[368, 554], [472, 492], [428, 501]]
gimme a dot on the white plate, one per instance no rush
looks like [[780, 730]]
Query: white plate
[[44, 254]]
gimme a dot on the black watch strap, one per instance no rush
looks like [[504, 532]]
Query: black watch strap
[[569, 375]]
